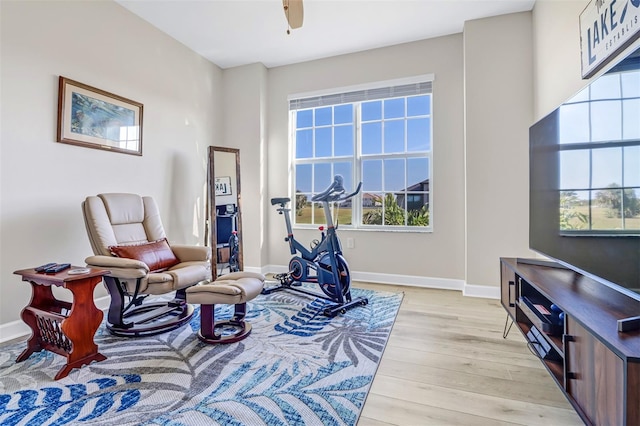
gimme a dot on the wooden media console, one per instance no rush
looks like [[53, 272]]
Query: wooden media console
[[596, 366]]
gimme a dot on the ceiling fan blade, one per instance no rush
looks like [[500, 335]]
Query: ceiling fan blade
[[294, 12]]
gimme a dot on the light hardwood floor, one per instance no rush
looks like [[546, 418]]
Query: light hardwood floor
[[446, 363]]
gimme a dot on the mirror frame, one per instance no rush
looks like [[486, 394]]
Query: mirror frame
[[211, 237]]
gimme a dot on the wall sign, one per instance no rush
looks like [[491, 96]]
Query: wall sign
[[223, 185], [606, 28]]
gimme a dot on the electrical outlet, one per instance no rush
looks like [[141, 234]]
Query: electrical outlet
[[351, 243]]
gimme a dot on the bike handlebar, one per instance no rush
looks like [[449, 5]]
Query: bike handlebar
[[346, 197], [335, 191]]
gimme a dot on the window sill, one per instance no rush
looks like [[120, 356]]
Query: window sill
[[405, 230]]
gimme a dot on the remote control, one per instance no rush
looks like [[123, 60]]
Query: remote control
[[41, 268], [57, 268]]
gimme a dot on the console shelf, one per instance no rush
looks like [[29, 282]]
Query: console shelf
[[597, 367]]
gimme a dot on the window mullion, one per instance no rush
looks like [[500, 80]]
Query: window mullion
[[356, 213], [293, 119]]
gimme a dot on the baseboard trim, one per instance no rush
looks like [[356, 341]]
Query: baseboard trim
[[483, 291], [488, 292], [408, 280], [273, 269], [254, 269], [13, 330]]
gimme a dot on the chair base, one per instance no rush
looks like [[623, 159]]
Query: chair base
[[137, 318], [146, 319], [227, 331], [242, 330]]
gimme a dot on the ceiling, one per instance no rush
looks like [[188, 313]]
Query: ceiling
[[231, 33]]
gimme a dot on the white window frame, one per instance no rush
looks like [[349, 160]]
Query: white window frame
[[356, 159]]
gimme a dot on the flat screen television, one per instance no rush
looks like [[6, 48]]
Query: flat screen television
[[585, 180]]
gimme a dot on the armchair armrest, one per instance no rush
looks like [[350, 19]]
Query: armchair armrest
[[188, 253], [119, 267]]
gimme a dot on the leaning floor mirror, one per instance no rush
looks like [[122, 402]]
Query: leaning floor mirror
[[224, 212]]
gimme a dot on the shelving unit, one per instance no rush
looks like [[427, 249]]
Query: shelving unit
[[597, 367]]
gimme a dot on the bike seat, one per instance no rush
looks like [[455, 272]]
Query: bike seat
[[282, 201]]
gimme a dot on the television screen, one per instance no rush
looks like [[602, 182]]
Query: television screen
[[224, 227], [585, 179]]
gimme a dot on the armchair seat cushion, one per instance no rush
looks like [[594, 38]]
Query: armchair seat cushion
[[176, 279], [186, 275]]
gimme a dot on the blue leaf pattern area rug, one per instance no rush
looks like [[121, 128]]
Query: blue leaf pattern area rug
[[297, 367]]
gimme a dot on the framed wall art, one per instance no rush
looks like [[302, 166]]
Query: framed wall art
[[94, 118]]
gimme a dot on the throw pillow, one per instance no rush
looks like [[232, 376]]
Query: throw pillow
[[156, 254]]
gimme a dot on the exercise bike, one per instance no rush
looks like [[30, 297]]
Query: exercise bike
[[324, 264], [227, 224], [234, 250]]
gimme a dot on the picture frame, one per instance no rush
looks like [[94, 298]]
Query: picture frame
[[223, 185], [94, 118]]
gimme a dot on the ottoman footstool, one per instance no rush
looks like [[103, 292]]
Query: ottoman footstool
[[236, 288]]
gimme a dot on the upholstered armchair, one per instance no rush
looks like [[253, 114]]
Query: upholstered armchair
[[128, 239]]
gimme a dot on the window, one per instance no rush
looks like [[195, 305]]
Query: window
[[380, 136]]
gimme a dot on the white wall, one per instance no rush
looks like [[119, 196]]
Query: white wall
[[556, 41], [44, 182], [244, 118], [439, 254], [498, 112]]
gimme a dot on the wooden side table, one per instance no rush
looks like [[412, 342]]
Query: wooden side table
[[62, 327]]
